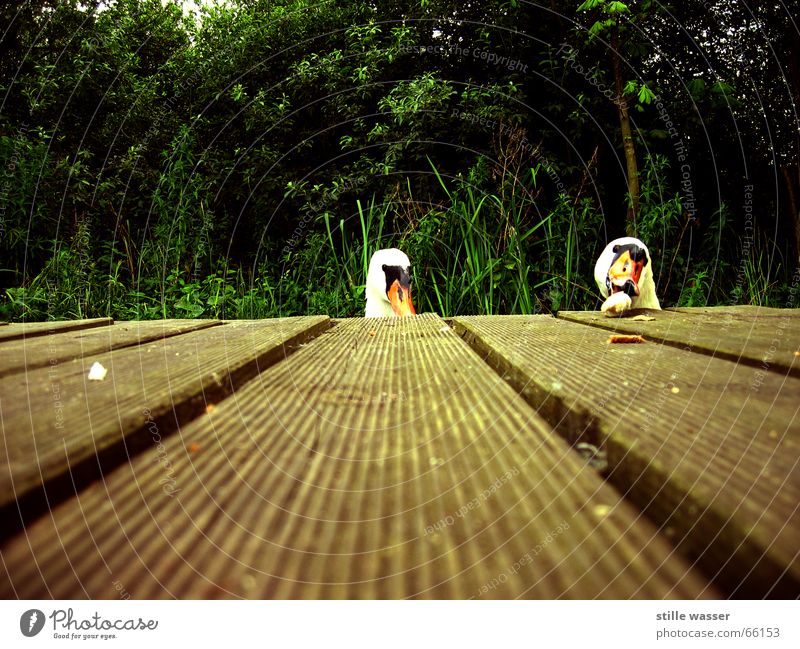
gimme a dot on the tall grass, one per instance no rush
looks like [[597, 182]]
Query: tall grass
[[481, 248], [484, 267], [352, 253], [476, 252]]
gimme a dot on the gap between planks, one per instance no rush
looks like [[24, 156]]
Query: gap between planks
[[61, 346], [760, 337], [20, 330], [738, 516], [102, 423]]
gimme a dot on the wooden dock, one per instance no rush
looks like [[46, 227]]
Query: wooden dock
[[483, 457]]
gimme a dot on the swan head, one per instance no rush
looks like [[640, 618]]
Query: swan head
[[388, 288], [625, 267]]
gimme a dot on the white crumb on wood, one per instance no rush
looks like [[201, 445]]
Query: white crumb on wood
[[97, 372]]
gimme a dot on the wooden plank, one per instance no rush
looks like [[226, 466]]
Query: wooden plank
[[382, 460], [69, 346], [706, 447], [56, 421], [16, 331], [758, 336], [748, 311]]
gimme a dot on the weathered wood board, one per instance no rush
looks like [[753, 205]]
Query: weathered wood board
[[62, 346], [768, 338], [54, 419], [383, 459], [708, 448], [16, 331], [741, 311]]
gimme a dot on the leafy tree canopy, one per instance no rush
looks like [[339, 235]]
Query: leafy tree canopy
[[244, 158]]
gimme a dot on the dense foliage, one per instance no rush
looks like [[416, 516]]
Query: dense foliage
[[245, 159]]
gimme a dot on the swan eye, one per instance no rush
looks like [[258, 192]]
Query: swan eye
[[383, 268]]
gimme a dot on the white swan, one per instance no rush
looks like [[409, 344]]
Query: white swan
[[624, 274], [388, 288]]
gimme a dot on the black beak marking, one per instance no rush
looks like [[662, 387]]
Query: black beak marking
[[397, 273], [629, 289], [636, 253]]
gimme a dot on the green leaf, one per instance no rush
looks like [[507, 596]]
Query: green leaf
[[645, 95], [590, 4], [696, 87], [721, 88], [596, 28], [617, 8]]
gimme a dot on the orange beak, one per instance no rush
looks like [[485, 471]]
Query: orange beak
[[624, 275], [400, 299]]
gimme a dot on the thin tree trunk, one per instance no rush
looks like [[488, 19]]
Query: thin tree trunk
[[792, 176], [627, 137], [792, 172]]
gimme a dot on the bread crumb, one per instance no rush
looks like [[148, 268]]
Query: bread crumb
[[601, 510], [97, 372], [618, 338]]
